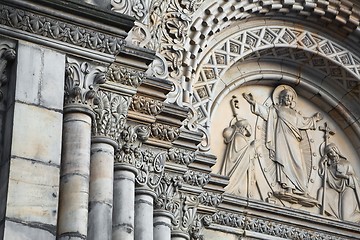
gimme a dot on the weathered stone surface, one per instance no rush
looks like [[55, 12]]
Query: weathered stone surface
[[23, 231], [40, 76], [38, 135], [33, 197]]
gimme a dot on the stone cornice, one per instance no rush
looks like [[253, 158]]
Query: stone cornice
[[59, 30]]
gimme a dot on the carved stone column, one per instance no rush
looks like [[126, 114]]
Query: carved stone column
[[166, 206], [80, 81], [150, 172], [110, 110]]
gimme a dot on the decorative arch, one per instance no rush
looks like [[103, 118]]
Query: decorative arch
[[337, 67]]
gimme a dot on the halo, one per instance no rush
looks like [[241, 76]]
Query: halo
[[278, 89]]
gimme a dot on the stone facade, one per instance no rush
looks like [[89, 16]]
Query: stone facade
[[179, 119]]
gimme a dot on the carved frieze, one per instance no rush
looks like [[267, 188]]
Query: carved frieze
[[7, 55], [81, 81], [110, 114], [196, 178], [268, 227], [180, 156], [135, 8], [146, 105], [210, 199], [62, 31], [125, 76], [164, 132]]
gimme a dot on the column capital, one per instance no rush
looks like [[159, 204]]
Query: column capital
[[7, 55], [81, 81]]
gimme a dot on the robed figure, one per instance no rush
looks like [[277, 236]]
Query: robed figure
[[283, 137], [342, 190]]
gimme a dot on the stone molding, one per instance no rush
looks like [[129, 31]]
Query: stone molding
[[265, 226], [164, 132], [195, 178], [180, 156], [45, 26], [210, 199]]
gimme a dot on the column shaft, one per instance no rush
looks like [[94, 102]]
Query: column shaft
[[124, 198], [162, 225], [101, 189], [144, 211], [74, 182]]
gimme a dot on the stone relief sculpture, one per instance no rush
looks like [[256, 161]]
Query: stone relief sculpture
[[283, 137], [340, 194], [239, 161]]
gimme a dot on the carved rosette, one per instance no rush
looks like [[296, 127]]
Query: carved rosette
[[180, 156], [130, 141], [164, 132], [150, 169], [110, 114], [146, 105], [82, 81], [125, 76], [7, 55], [135, 8], [196, 178]]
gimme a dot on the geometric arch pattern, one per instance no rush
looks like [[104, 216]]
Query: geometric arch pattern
[[294, 43]]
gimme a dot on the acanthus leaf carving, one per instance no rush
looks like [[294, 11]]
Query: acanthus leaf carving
[[146, 105], [125, 76], [164, 132], [110, 114], [186, 213], [82, 81], [150, 169]]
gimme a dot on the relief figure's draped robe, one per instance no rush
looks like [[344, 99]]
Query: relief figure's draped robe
[[342, 195], [283, 138]]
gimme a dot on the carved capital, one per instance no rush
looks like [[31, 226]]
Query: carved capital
[[150, 169], [186, 213], [164, 132], [130, 141], [7, 55], [110, 114], [146, 105], [125, 76], [196, 178], [167, 192], [81, 82]]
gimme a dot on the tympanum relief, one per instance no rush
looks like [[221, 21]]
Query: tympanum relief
[[278, 147]]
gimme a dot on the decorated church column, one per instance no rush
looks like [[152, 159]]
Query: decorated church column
[[81, 78]]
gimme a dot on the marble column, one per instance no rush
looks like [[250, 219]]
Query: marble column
[[162, 225], [124, 198], [75, 170], [101, 188], [144, 209]]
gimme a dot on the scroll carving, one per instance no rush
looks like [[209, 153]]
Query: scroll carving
[[81, 82], [150, 169]]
